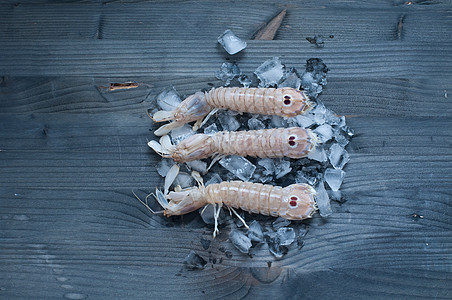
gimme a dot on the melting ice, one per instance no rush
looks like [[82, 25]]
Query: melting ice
[[239, 166], [270, 72], [240, 241], [168, 99], [231, 43]]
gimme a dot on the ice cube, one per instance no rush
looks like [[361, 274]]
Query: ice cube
[[240, 241], [239, 166], [205, 243], [301, 234], [282, 167], [268, 164], [340, 138], [331, 118], [317, 40], [198, 165], [310, 174], [278, 122], [318, 154], [181, 133], [341, 123], [305, 121], [270, 72], [259, 175], [318, 70], [255, 124], [336, 196], [211, 129], [184, 180], [319, 113], [245, 81], [239, 222], [194, 261], [338, 156], [324, 132], [228, 71], [291, 79], [207, 214], [228, 121], [334, 178], [275, 247], [301, 177], [279, 223], [322, 200], [350, 132], [286, 236], [255, 232], [168, 99], [212, 178], [231, 43], [310, 86], [164, 166]]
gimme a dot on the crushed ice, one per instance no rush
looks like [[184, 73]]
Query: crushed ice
[[323, 168]]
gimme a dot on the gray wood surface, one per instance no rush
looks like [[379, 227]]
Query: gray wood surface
[[71, 152]]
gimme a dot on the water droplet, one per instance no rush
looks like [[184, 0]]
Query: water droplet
[[75, 296], [67, 286], [20, 217], [62, 279], [57, 270]]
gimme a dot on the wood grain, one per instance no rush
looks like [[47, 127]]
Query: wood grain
[[347, 96], [199, 59], [351, 21], [71, 152]]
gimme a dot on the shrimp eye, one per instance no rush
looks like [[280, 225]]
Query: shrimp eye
[[293, 201], [292, 142], [287, 101]]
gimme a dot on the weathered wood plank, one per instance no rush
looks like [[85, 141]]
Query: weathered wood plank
[[358, 283], [116, 223], [349, 21], [110, 151], [200, 59], [71, 153], [349, 96], [72, 249]]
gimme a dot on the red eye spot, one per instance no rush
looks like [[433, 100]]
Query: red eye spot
[[292, 143], [287, 97], [293, 198], [293, 203], [291, 138], [286, 102]]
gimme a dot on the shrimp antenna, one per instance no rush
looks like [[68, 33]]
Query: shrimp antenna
[[146, 204]]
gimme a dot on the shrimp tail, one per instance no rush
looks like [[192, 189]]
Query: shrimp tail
[[164, 148], [163, 115], [165, 129]]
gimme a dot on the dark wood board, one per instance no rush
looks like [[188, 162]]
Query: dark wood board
[[72, 152]]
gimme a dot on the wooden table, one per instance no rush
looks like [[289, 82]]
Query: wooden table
[[71, 152]]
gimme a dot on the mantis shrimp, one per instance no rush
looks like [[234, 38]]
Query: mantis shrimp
[[291, 142], [294, 202], [285, 102]]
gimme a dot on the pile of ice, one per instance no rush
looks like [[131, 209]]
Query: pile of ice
[[277, 236], [322, 169]]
